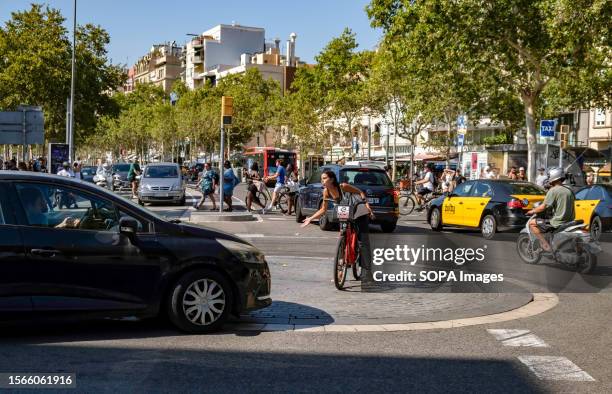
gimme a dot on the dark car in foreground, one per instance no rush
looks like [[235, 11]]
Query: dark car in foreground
[[594, 206], [488, 205], [372, 180], [72, 249]]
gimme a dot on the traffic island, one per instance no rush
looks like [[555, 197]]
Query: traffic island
[[205, 217]]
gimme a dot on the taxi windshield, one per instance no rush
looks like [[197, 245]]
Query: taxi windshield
[[523, 188]]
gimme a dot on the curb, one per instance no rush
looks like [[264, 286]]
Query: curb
[[540, 303], [201, 217]]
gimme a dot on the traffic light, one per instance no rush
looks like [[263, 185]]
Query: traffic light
[[227, 109], [563, 133]]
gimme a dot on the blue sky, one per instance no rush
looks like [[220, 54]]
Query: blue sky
[[134, 25]]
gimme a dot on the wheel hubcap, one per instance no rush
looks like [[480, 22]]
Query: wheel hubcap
[[487, 226], [434, 218], [204, 302]]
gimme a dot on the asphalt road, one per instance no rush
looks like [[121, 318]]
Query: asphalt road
[[565, 349]]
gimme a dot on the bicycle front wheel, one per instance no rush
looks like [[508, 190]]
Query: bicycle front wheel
[[406, 205], [262, 198], [340, 266]]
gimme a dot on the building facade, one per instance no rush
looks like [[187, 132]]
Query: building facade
[[161, 66]]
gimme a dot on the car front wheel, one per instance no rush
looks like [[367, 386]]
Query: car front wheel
[[435, 219], [488, 226], [595, 227], [200, 302]]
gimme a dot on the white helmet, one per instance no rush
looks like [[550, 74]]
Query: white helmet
[[555, 174]]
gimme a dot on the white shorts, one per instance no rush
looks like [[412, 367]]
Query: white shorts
[[277, 187]]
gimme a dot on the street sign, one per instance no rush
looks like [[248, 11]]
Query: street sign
[[461, 124], [460, 139], [547, 128], [25, 127]]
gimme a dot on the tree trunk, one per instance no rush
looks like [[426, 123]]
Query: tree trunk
[[529, 104]]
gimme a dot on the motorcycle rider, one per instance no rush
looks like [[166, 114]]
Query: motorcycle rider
[[561, 200]]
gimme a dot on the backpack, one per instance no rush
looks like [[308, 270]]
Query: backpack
[[216, 177]]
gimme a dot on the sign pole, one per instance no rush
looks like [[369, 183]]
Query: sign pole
[[221, 167]]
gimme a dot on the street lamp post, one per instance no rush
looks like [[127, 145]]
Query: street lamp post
[[71, 126]]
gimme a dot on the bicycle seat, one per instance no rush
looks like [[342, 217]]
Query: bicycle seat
[[567, 225]]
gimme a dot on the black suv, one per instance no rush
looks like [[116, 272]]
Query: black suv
[[373, 181], [70, 248]]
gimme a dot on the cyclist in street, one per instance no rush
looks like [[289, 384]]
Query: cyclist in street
[[207, 185], [292, 183], [132, 173], [427, 186], [280, 176], [560, 199], [335, 193]]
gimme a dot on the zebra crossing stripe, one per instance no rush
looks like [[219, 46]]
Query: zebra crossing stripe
[[555, 368], [517, 338]]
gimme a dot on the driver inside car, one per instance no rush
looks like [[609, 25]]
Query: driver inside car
[[36, 209]]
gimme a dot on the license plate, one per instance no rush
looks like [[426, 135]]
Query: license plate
[[343, 212], [372, 200], [164, 194]]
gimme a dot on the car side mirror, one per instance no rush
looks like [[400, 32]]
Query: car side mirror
[[128, 227]]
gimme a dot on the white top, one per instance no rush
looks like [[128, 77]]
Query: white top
[[541, 180], [489, 175], [67, 173], [429, 184]]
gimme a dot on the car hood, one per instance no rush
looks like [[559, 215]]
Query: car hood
[[162, 182], [206, 232]]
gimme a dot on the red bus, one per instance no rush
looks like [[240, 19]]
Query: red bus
[[266, 159]]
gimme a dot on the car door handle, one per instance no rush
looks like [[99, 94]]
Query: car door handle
[[45, 252], [592, 205], [577, 205], [460, 203], [482, 203]]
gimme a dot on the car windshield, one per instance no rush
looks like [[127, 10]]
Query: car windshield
[[161, 172], [608, 188], [88, 170], [523, 188], [121, 167], [366, 177]]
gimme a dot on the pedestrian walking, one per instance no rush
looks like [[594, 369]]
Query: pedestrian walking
[[292, 183], [229, 183], [541, 178], [207, 184], [521, 176], [77, 170]]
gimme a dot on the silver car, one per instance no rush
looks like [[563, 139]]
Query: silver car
[[162, 182]]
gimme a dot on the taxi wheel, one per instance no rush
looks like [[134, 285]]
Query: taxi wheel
[[488, 226], [435, 219], [595, 228]]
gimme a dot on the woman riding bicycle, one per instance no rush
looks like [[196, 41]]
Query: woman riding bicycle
[[254, 185], [335, 193]]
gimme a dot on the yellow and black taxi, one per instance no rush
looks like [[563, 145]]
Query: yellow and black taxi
[[490, 205], [594, 206]]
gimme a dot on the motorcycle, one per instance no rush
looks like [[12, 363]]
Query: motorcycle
[[571, 246], [100, 180]]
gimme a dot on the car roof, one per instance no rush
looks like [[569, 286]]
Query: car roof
[[7, 175], [161, 164]]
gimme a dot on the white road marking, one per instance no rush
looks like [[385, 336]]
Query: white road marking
[[282, 236], [300, 257], [516, 338], [280, 219], [249, 235], [555, 368]]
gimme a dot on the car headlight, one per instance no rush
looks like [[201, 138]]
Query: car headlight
[[243, 252], [176, 187]]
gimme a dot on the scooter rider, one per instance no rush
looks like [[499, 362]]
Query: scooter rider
[[561, 200]]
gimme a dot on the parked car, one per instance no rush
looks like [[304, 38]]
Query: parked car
[[162, 182], [98, 255], [372, 180], [88, 173], [120, 173]]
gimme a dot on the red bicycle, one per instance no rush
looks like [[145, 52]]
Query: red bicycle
[[347, 252]]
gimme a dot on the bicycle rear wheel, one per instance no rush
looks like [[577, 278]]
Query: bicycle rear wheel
[[340, 266], [283, 202], [406, 205]]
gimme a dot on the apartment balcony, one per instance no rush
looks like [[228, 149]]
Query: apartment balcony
[[197, 59]]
